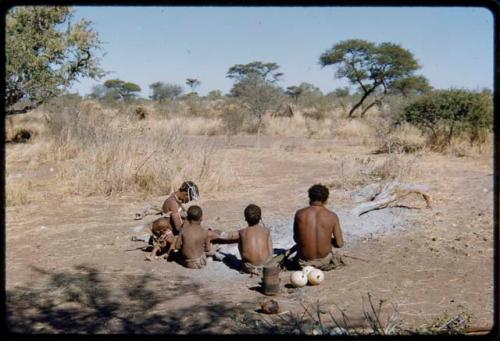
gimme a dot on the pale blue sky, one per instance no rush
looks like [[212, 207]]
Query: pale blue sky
[[148, 44]]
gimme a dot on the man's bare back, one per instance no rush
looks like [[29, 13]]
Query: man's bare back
[[316, 228]]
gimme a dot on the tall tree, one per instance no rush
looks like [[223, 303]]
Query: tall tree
[[374, 68], [192, 83], [256, 89], [45, 54]]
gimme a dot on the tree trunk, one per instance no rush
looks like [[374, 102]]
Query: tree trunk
[[357, 105], [258, 131], [368, 108], [450, 134]]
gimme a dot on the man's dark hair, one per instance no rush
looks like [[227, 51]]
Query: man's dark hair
[[318, 192], [194, 213], [252, 214]]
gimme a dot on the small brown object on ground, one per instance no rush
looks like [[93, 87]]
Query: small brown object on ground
[[270, 307]]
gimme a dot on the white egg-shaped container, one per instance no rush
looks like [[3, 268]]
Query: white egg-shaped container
[[298, 279], [307, 269], [316, 276]]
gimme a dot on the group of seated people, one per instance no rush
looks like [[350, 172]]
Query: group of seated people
[[179, 235]]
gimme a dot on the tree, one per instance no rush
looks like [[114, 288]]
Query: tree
[[162, 91], [304, 89], [256, 89], [267, 72], [122, 90], [374, 68], [411, 85], [192, 83], [215, 94], [341, 92], [294, 92], [454, 111], [45, 54]]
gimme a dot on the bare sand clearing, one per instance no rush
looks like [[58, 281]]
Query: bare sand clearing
[[71, 267]]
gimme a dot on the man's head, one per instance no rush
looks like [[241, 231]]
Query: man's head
[[319, 193], [188, 191], [252, 214], [194, 213]]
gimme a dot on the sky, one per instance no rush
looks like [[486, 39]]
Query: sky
[[143, 45]]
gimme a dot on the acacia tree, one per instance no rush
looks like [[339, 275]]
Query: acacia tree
[[121, 89], [45, 54], [376, 69], [255, 85], [192, 83], [162, 91]]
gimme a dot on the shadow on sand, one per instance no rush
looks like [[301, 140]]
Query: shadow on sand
[[81, 301]]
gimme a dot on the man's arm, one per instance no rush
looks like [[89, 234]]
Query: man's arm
[[337, 239], [214, 234], [270, 244], [173, 207], [232, 236], [178, 242]]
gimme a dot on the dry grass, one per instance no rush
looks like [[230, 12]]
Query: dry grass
[[404, 139], [104, 151], [17, 192], [356, 129]]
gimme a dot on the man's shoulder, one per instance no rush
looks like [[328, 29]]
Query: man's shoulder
[[303, 210]]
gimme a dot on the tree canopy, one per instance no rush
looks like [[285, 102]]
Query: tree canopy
[[45, 54], [162, 91], [258, 70], [370, 66], [192, 83], [121, 89]]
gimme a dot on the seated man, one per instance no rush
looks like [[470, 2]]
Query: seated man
[[194, 242], [254, 242], [315, 230]]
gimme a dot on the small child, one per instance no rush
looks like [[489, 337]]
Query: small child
[[163, 238]]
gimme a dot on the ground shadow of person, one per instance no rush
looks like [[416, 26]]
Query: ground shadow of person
[[232, 262]]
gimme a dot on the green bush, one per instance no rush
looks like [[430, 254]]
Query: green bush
[[446, 114]]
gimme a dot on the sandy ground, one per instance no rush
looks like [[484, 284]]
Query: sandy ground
[[71, 267]]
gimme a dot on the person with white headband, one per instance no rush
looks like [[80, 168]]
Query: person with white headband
[[166, 229]]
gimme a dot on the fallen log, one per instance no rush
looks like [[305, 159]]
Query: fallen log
[[389, 195]]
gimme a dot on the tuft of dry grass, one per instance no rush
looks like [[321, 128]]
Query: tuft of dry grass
[[405, 138], [353, 129], [17, 192]]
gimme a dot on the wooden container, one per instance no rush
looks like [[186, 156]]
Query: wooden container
[[271, 280]]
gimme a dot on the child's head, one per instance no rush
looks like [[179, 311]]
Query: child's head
[[252, 214], [194, 213]]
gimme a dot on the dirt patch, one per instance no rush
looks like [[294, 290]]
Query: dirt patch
[[69, 268]]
